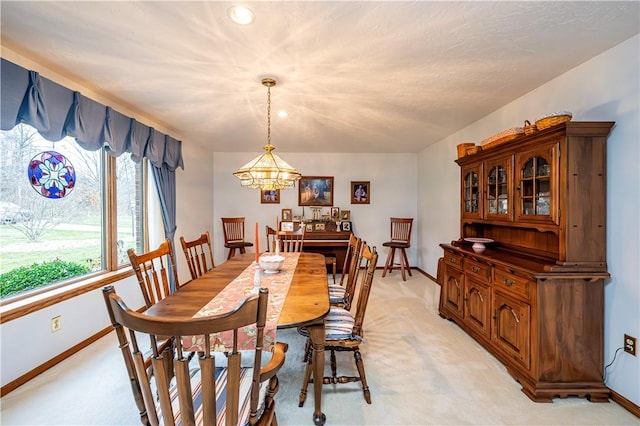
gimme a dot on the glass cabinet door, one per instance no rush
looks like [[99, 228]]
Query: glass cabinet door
[[471, 191], [535, 175], [498, 189]]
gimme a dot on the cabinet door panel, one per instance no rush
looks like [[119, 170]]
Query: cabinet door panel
[[471, 191], [498, 196], [477, 306], [453, 291], [512, 328], [536, 182]]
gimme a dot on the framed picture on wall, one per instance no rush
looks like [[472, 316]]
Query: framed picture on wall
[[270, 196], [315, 191], [360, 192]]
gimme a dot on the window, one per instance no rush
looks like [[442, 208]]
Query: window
[[86, 232]]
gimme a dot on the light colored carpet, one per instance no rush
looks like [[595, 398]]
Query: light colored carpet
[[421, 369]]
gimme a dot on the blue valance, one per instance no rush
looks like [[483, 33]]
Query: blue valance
[[56, 112]]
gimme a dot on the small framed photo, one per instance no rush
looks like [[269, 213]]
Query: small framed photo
[[360, 192], [286, 215], [335, 213], [286, 226], [319, 226], [315, 191], [345, 226], [270, 196], [345, 215], [309, 227]]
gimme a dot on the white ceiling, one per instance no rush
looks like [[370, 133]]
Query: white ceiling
[[354, 76]]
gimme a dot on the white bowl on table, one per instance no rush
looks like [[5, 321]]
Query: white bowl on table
[[271, 263]]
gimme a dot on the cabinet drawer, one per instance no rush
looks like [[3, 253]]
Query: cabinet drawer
[[452, 258], [479, 270], [512, 284]]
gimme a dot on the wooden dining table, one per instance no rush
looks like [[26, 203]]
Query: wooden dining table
[[306, 304]]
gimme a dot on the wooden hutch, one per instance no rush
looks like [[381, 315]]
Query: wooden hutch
[[535, 296]]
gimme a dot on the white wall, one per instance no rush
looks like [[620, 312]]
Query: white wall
[[605, 88], [392, 192]]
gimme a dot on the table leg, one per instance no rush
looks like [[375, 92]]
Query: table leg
[[316, 333]]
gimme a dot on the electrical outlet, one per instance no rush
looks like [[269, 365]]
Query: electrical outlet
[[56, 324], [631, 345]]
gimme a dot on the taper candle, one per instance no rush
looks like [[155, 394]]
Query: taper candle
[[277, 224], [257, 244]]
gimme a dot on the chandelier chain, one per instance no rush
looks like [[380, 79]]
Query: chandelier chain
[[268, 115]]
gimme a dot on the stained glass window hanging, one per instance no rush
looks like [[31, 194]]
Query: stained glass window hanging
[[51, 174]]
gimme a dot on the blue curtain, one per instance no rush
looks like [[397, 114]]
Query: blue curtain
[[55, 112], [166, 185]]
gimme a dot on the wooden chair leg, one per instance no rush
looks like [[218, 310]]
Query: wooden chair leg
[[363, 378], [405, 259], [232, 252], [388, 266]]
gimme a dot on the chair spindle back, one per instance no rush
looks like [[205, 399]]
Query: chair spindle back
[[155, 270], [199, 254]]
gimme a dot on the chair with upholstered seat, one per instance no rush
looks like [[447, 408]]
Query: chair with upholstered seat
[[291, 241], [400, 240], [342, 294], [344, 332], [208, 394], [199, 254], [155, 270], [233, 230]]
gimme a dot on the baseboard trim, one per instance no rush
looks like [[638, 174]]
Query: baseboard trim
[[13, 385], [625, 403], [426, 274]]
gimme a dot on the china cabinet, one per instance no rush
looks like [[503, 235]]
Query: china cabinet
[[534, 297]]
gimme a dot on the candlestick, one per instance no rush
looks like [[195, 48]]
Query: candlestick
[[277, 224], [257, 244]]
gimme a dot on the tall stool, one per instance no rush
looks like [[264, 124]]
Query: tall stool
[[233, 229], [400, 239]]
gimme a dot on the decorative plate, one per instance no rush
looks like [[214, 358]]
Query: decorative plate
[[51, 174]]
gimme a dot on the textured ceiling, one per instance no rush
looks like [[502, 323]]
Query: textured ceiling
[[353, 76]]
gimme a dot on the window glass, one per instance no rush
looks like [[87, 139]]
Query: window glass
[[54, 211], [129, 207]]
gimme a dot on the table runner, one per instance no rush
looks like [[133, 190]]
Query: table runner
[[233, 294]]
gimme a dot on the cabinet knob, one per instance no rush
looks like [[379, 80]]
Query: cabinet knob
[[452, 259], [509, 282], [475, 269]]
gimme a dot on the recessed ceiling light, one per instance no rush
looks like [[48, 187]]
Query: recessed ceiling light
[[241, 15], [283, 114]]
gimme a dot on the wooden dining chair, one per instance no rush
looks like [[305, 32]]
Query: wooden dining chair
[[344, 332], [154, 271], [199, 254], [342, 294], [272, 236], [233, 230], [204, 393], [291, 241], [401, 240]]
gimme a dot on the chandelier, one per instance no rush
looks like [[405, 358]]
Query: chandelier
[[267, 171]]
